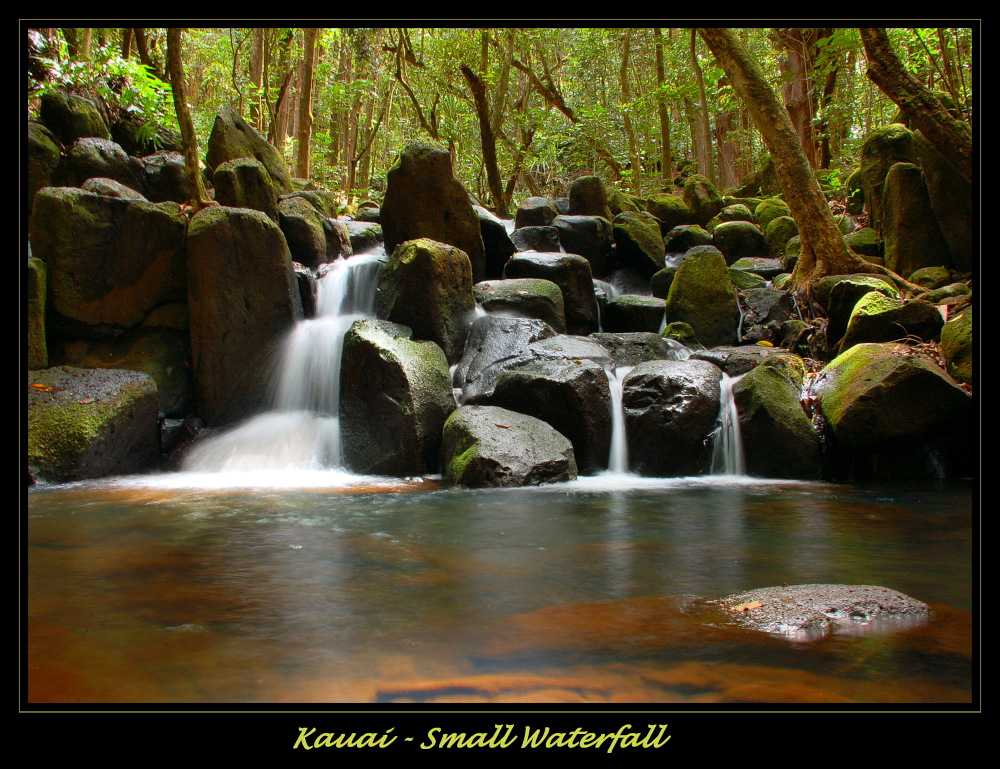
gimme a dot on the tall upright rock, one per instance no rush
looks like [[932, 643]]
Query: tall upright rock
[[424, 199]]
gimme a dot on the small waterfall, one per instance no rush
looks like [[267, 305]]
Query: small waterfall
[[618, 456], [727, 452], [303, 430]]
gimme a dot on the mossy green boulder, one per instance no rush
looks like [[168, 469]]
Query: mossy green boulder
[[770, 208], [702, 295], [71, 116], [43, 159], [90, 423], [245, 183], [732, 213], [38, 353], [232, 137], [524, 297], [778, 232], [638, 242], [864, 241], [880, 318], [882, 149], [671, 210], [489, 446], [911, 234], [702, 198], [395, 394], [956, 346], [589, 197]]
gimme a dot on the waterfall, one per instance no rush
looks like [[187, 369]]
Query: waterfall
[[618, 456], [303, 430], [727, 452]]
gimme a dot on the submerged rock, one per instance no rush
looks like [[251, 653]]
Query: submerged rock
[[487, 446], [810, 612]]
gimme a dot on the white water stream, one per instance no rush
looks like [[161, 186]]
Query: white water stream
[[303, 430], [727, 454]]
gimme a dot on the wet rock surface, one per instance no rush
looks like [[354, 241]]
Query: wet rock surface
[[810, 612]]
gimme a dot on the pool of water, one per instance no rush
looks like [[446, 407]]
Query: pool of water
[[161, 589]]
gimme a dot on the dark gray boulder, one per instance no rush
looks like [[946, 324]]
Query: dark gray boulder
[[588, 197], [43, 159], [912, 238], [880, 318], [629, 349], [497, 243], [110, 188], [166, 177], [487, 446], [535, 239], [90, 157], [628, 312], [395, 394], [573, 276], [638, 242], [525, 297], [232, 137], [70, 117], [591, 237], [245, 183], [740, 240], [494, 342], [535, 212]]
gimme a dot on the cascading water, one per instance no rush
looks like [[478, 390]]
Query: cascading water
[[727, 453], [303, 430], [618, 456]]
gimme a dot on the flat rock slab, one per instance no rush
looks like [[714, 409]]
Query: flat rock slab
[[810, 612]]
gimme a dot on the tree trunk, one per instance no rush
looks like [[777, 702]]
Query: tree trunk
[[142, 46], [126, 42], [796, 69], [304, 136], [666, 160], [704, 129], [487, 139], [192, 167], [636, 176], [257, 78], [951, 137], [823, 249]]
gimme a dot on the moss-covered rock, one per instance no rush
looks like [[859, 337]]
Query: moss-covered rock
[[591, 237], [638, 242], [671, 210], [931, 277], [702, 295], [951, 200], [745, 279], [43, 159], [879, 318], [684, 237], [38, 353], [364, 236], [232, 137], [395, 395], [864, 241], [588, 197], [245, 183], [111, 189], [619, 201], [302, 226], [92, 157], [733, 213], [881, 395], [956, 346], [488, 446], [661, 280], [823, 288], [166, 178], [855, 193], [682, 332], [767, 268], [778, 232], [86, 423], [912, 237], [424, 199], [71, 116], [427, 286], [535, 212], [525, 297], [702, 198], [497, 243], [938, 295], [244, 298], [883, 148], [110, 260], [778, 438], [844, 296], [770, 208], [740, 240]]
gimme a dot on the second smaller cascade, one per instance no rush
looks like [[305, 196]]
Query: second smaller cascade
[[727, 453]]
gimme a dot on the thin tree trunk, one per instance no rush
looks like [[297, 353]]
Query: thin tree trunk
[[703, 124], [796, 68], [666, 160], [304, 135], [192, 167], [126, 42], [142, 46], [257, 78], [85, 40], [633, 151], [951, 137], [487, 139]]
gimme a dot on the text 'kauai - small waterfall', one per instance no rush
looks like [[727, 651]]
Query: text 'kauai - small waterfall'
[[303, 430]]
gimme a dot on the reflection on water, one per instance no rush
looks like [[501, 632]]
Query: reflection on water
[[584, 592]]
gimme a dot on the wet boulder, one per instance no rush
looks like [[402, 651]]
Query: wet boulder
[[43, 159], [573, 276], [302, 226], [883, 395], [670, 210], [38, 354], [365, 237], [951, 200], [245, 183], [525, 297], [166, 177], [631, 348], [736, 212], [740, 240], [770, 209], [395, 395], [90, 157], [427, 286], [424, 199], [628, 312], [487, 446], [822, 289], [71, 116], [591, 237], [911, 235], [232, 137], [109, 260], [494, 342], [702, 296], [931, 277], [844, 296], [738, 360], [684, 237], [956, 346], [864, 242], [702, 198], [883, 148], [244, 298], [338, 239], [497, 243], [589, 197], [90, 423], [758, 265], [671, 408], [571, 395], [535, 212], [778, 438], [638, 242], [111, 189], [535, 239], [778, 232], [880, 318]]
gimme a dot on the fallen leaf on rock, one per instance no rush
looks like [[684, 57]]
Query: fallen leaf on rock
[[43, 387], [87, 400], [764, 343], [505, 427], [746, 606]]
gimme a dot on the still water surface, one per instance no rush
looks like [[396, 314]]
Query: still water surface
[[146, 590]]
